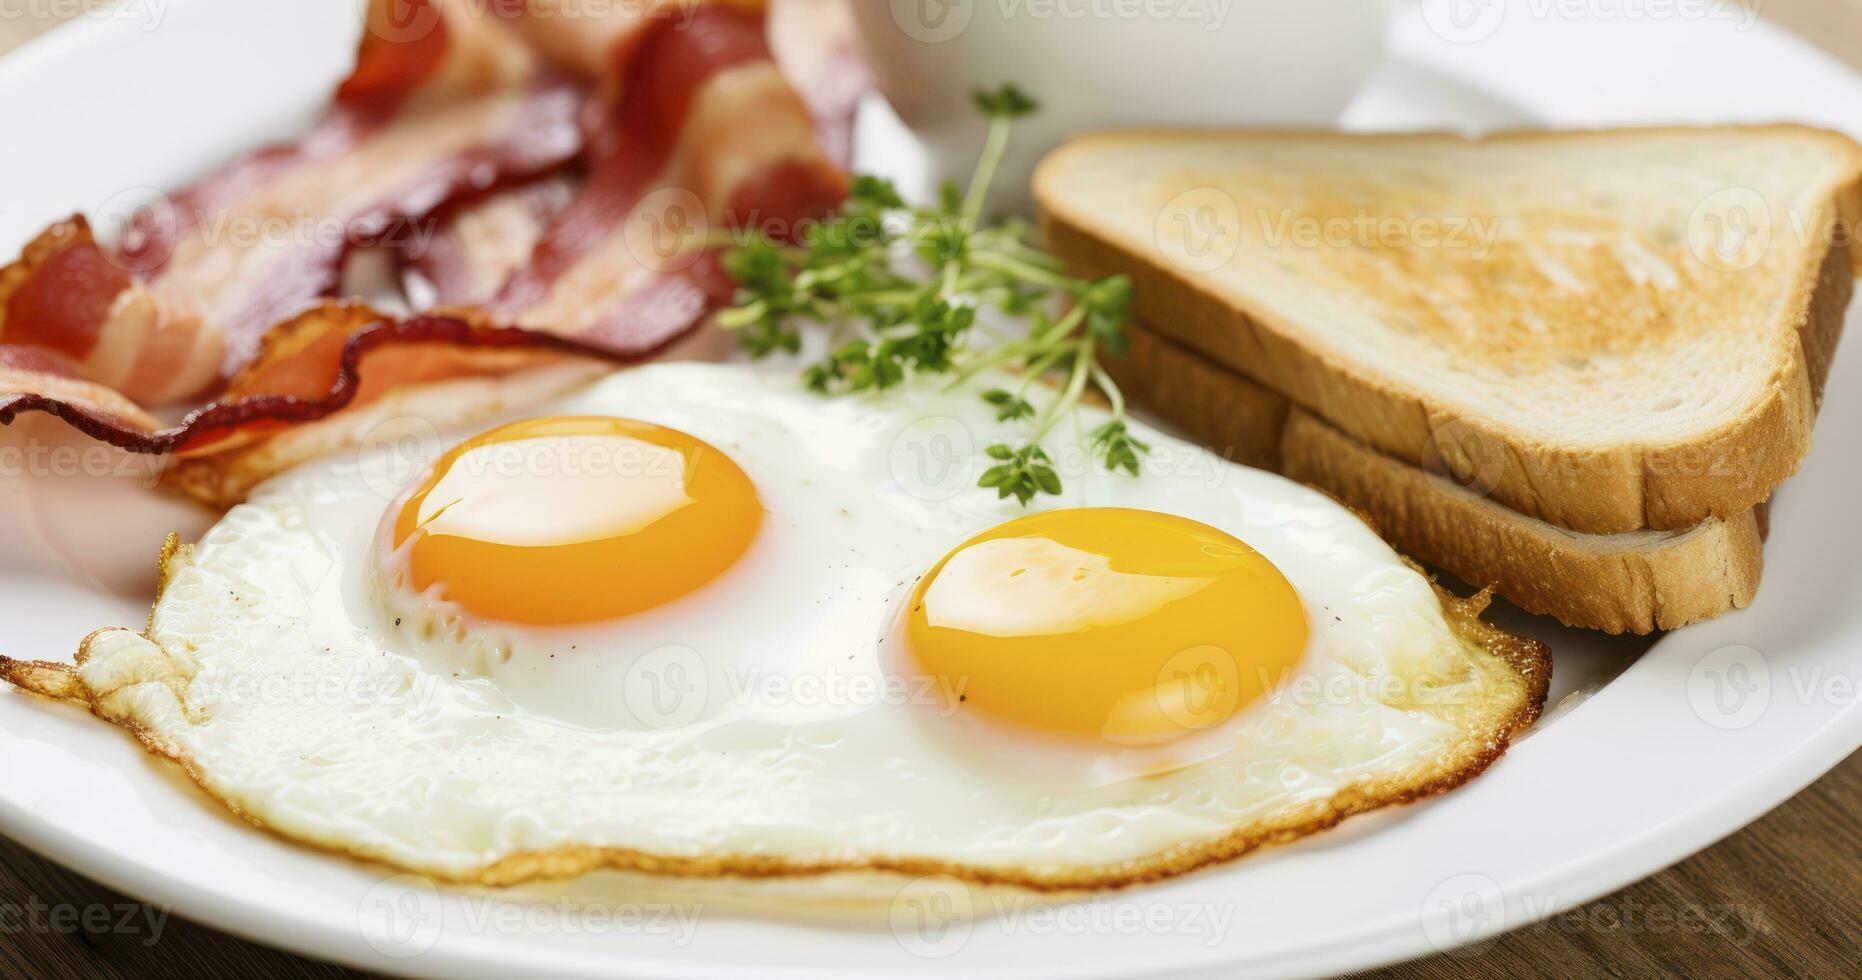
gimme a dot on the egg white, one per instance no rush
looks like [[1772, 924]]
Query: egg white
[[759, 722]]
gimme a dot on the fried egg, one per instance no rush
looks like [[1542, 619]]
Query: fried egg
[[694, 620]]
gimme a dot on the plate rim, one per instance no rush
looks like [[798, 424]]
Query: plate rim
[[1660, 845]]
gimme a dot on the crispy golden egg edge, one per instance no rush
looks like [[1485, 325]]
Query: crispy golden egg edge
[[1520, 666]]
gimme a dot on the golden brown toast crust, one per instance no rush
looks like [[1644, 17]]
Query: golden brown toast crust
[[1721, 473], [1628, 583], [1634, 583]]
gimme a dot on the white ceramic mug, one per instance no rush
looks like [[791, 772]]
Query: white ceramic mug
[[1098, 63]]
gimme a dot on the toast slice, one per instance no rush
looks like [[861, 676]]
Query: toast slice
[[1625, 329], [1636, 582]]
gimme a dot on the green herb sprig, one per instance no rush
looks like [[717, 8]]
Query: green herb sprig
[[890, 322]]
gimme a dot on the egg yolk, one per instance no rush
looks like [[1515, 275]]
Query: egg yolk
[[1126, 625], [574, 519]]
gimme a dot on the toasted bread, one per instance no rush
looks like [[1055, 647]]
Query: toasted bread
[[1627, 330], [1635, 582]]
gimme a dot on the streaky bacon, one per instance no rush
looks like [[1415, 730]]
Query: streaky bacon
[[34, 379], [309, 367], [485, 244], [692, 128], [700, 132], [443, 103], [817, 46], [480, 246]]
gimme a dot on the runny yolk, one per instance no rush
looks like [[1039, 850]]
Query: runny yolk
[[1126, 625], [574, 519]]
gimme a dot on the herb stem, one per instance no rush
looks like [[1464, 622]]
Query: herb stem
[[992, 358], [1076, 383], [952, 272], [1013, 246], [1026, 271], [1037, 368], [1063, 327], [993, 148], [1110, 389]]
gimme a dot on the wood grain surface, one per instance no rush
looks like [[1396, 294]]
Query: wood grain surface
[[1780, 898]]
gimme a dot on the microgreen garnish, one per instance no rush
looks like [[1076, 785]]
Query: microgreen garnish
[[1119, 448], [1021, 473], [891, 319]]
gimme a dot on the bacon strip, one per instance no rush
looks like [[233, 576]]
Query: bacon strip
[[701, 132], [480, 247], [442, 103], [311, 366], [484, 245], [817, 45], [693, 129], [41, 380]]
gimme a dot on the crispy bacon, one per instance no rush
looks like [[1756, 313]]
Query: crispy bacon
[[691, 128], [311, 366], [32, 379], [483, 245], [479, 247], [442, 104], [817, 45], [701, 133]]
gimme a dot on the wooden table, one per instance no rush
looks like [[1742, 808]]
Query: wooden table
[[1782, 897]]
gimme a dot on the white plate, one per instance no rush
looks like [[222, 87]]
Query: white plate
[[1710, 728]]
